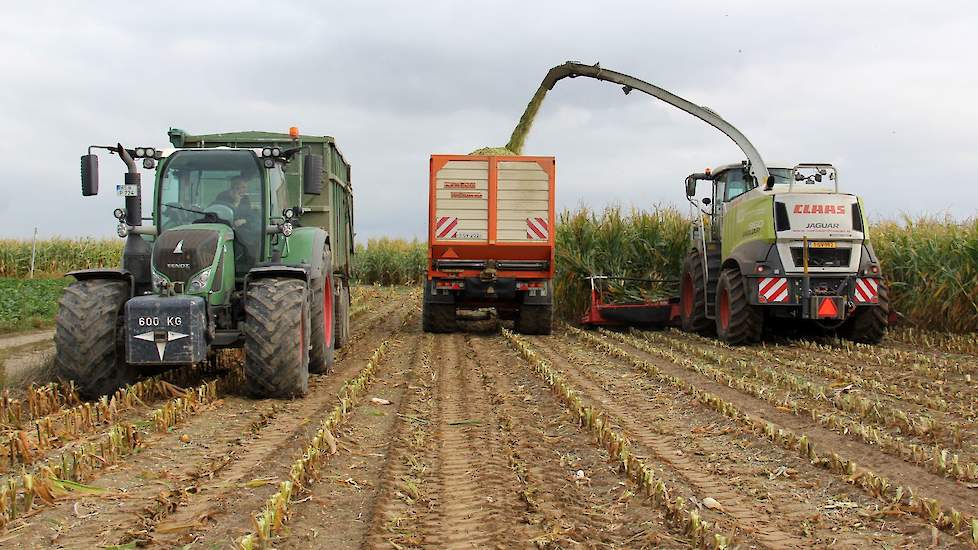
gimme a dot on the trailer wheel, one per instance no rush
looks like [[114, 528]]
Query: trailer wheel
[[868, 323], [276, 333], [322, 313], [89, 337], [438, 317], [692, 300], [535, 319], [737, 322], [342, 329]]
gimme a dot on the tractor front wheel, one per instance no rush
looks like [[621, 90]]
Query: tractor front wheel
[[89, 337], [737, 321], [692, 300], [868, 324], [276, 332]]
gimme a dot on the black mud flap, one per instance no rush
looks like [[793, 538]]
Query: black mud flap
[[503, 289], [166, 330]]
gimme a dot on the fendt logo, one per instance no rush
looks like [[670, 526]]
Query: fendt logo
[[820, 209]]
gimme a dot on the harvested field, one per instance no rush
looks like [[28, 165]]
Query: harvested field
[[488, 439]]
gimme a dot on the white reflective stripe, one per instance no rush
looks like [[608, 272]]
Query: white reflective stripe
[[775, 289], [536, 228], [781, 297], [866, 290]]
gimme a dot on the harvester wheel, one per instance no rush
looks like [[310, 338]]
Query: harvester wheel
[[90, 337], [438, 317], [322, 312], [692, 300], [868, 323], [535, 319], [276, 332], [737, 321], [342, 329]]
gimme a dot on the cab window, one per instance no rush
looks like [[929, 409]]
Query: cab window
[[735, 184]]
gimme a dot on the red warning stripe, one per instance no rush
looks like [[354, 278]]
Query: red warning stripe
[[867, 291], [773, 289], [537, 228], [444, 226]]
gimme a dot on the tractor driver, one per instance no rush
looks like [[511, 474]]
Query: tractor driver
[[245, 221]]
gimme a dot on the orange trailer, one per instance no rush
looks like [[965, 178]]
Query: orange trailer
[[490, 240]]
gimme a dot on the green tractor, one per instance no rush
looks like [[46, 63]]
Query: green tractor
[[249, 246], [794, 249]]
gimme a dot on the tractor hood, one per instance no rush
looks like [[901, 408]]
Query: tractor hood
[[183, 253]]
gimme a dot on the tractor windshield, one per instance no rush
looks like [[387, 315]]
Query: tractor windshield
[[221, 186]]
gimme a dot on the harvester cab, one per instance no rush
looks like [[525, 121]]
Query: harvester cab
[[228, 260], [794, 248]]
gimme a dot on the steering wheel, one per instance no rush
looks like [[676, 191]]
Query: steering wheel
[[222, 212]]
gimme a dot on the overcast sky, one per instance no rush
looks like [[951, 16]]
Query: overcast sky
[[887, 91]]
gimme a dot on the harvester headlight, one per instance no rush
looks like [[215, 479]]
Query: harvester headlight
[[286, 229], [199, 281], [149, 163], [276, 152], [119, 214], [140, 152], [288, 213], [122, 230], [266, 152], [150, 152], [269, 163]]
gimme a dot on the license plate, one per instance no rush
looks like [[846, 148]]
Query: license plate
[[821, 244]]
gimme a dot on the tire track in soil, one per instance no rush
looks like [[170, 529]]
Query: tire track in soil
[[222, 511], [727, 463], [897, 471], [403, 486], [473, 491], [738, 517], [548, 451], [145, 488], [340, 507]]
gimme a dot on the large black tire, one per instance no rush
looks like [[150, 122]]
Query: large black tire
[[342, 325], [737, 322], [322, 314], [692, 298], [276, 332], [438, 317], [868, 324], [535, 319], [89, 337]]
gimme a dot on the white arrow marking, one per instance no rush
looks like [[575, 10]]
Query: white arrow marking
[[161, 345]]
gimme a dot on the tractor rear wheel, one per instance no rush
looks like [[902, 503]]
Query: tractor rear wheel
[[342, 329], [535, 319], [322, 314], [868, 324], [276, 334], [737, 321], [692, 300], [90, 337]]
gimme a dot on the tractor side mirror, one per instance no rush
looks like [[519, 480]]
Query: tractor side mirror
[[690, 187], [89, 175], [312, 174]]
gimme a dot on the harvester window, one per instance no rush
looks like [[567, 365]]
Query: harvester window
[[735, 184]]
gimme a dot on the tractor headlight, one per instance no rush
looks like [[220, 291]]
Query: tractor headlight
[[122, 230], [140, 152], [286, 229], [199, 281], [276, 152], [266, 152]]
